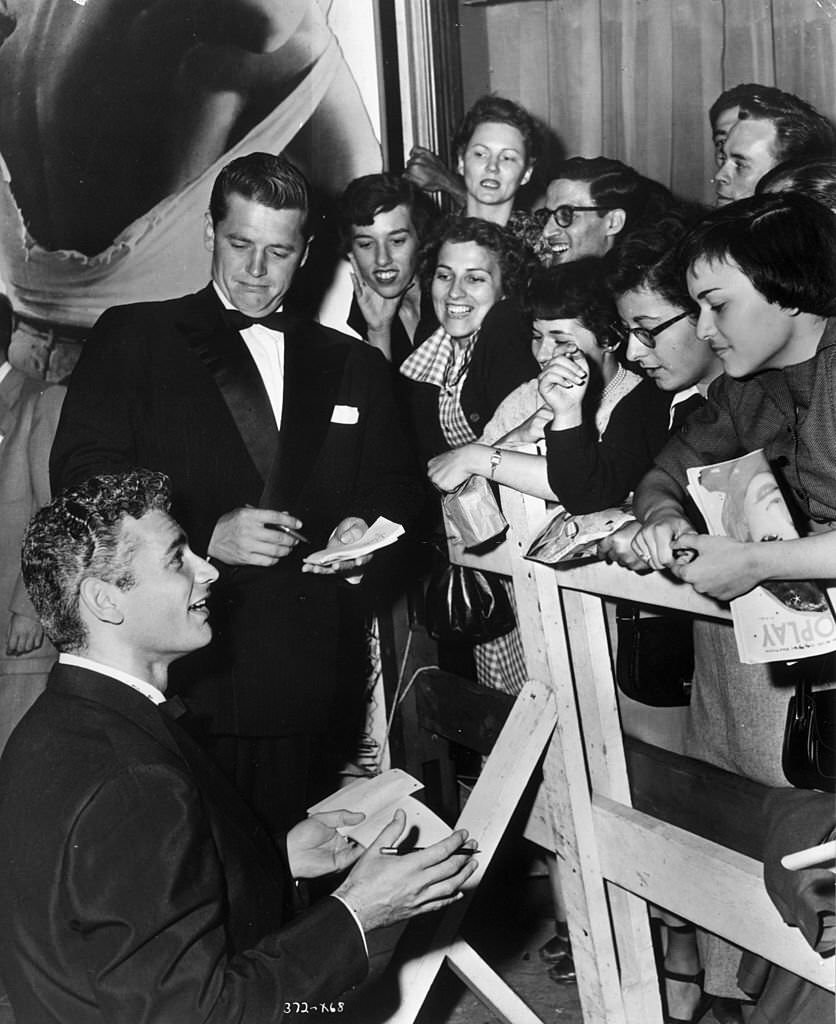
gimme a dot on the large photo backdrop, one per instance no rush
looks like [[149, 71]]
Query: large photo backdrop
[[115, 117]]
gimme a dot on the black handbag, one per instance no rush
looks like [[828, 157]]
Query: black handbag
[[467, 604], [808, 757], [654, 661]]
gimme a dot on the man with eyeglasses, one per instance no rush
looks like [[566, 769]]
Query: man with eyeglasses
[[591, 202]]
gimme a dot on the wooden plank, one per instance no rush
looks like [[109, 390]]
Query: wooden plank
[[655, 589], [486, 815], [540, 616], [721, 890], [485, 983], [592, 664]]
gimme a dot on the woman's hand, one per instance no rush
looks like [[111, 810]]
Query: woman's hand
[[563, 384], [378, 311], [530, 431], [448, 470], [425, 170], [721, 567], [658, 540]]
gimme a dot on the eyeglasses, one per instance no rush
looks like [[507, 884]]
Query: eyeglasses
[[565, 214], [647, 335]]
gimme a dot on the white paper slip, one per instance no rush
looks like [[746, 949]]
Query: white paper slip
[[380, 534], [378, 798]]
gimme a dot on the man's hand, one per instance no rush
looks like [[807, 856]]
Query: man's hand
[[347, 531], [24, 635], [427, 172], [722, 567], [448, 470], [562, 385], [253, 536], [655, 542], [618, 548], [315, 847], [383, 890]]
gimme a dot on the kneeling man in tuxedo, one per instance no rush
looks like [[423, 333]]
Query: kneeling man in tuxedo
[[135, 884], [267, 425]]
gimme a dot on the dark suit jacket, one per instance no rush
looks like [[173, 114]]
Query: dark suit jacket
[[147, 392], [134, 884]]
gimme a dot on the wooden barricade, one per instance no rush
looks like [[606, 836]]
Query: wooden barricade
[[614, 859]]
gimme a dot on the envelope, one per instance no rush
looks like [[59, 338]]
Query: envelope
[[345, 414]]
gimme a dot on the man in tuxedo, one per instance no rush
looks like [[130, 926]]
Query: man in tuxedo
[[267, 426], [135, 884]]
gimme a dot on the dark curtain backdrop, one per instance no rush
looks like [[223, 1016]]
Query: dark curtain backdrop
[[634, 79]]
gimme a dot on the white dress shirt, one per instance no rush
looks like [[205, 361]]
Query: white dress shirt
[[267, 349], [140, 685]]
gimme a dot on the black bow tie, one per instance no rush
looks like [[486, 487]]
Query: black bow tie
[[240, 321]]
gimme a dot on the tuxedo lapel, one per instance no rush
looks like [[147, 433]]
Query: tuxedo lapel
[[225, 355], [313, 372]]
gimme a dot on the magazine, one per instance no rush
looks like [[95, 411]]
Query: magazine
[[783, 619], [568, 538]]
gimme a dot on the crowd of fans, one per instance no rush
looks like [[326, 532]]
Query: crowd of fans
[[586, 351]]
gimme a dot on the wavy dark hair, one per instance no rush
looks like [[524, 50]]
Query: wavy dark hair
[[802, 133], [575, 291], [784, 243], [515, 261], [813, 178], [78, 535], [649, 258], [615, 185], [497, 108], [364, 198], [267, 179]]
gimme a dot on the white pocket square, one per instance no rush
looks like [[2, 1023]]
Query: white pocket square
[[345, 414]]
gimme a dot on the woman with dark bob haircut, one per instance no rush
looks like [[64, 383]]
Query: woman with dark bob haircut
[[383, 221], [763, 274]]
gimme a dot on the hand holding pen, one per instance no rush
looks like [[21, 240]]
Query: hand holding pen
[[255, 536]]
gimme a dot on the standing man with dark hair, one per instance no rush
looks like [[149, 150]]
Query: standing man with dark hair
[[266, 426], [591, 202], [135, 886], [771, 127]]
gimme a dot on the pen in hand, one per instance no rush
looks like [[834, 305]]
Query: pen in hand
[[397, 851], [288, 530]]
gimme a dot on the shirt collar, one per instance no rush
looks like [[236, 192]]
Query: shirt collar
[[140, 685], [228, 305], [5, 369]]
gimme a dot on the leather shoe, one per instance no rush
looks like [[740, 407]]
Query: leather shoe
[[555, 949], [563, 972]]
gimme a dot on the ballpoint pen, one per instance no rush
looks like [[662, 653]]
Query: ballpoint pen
[[397, 851]]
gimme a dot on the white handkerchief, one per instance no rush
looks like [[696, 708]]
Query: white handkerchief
[[345, 414]]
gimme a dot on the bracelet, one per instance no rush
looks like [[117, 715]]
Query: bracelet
[[496, 458]]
